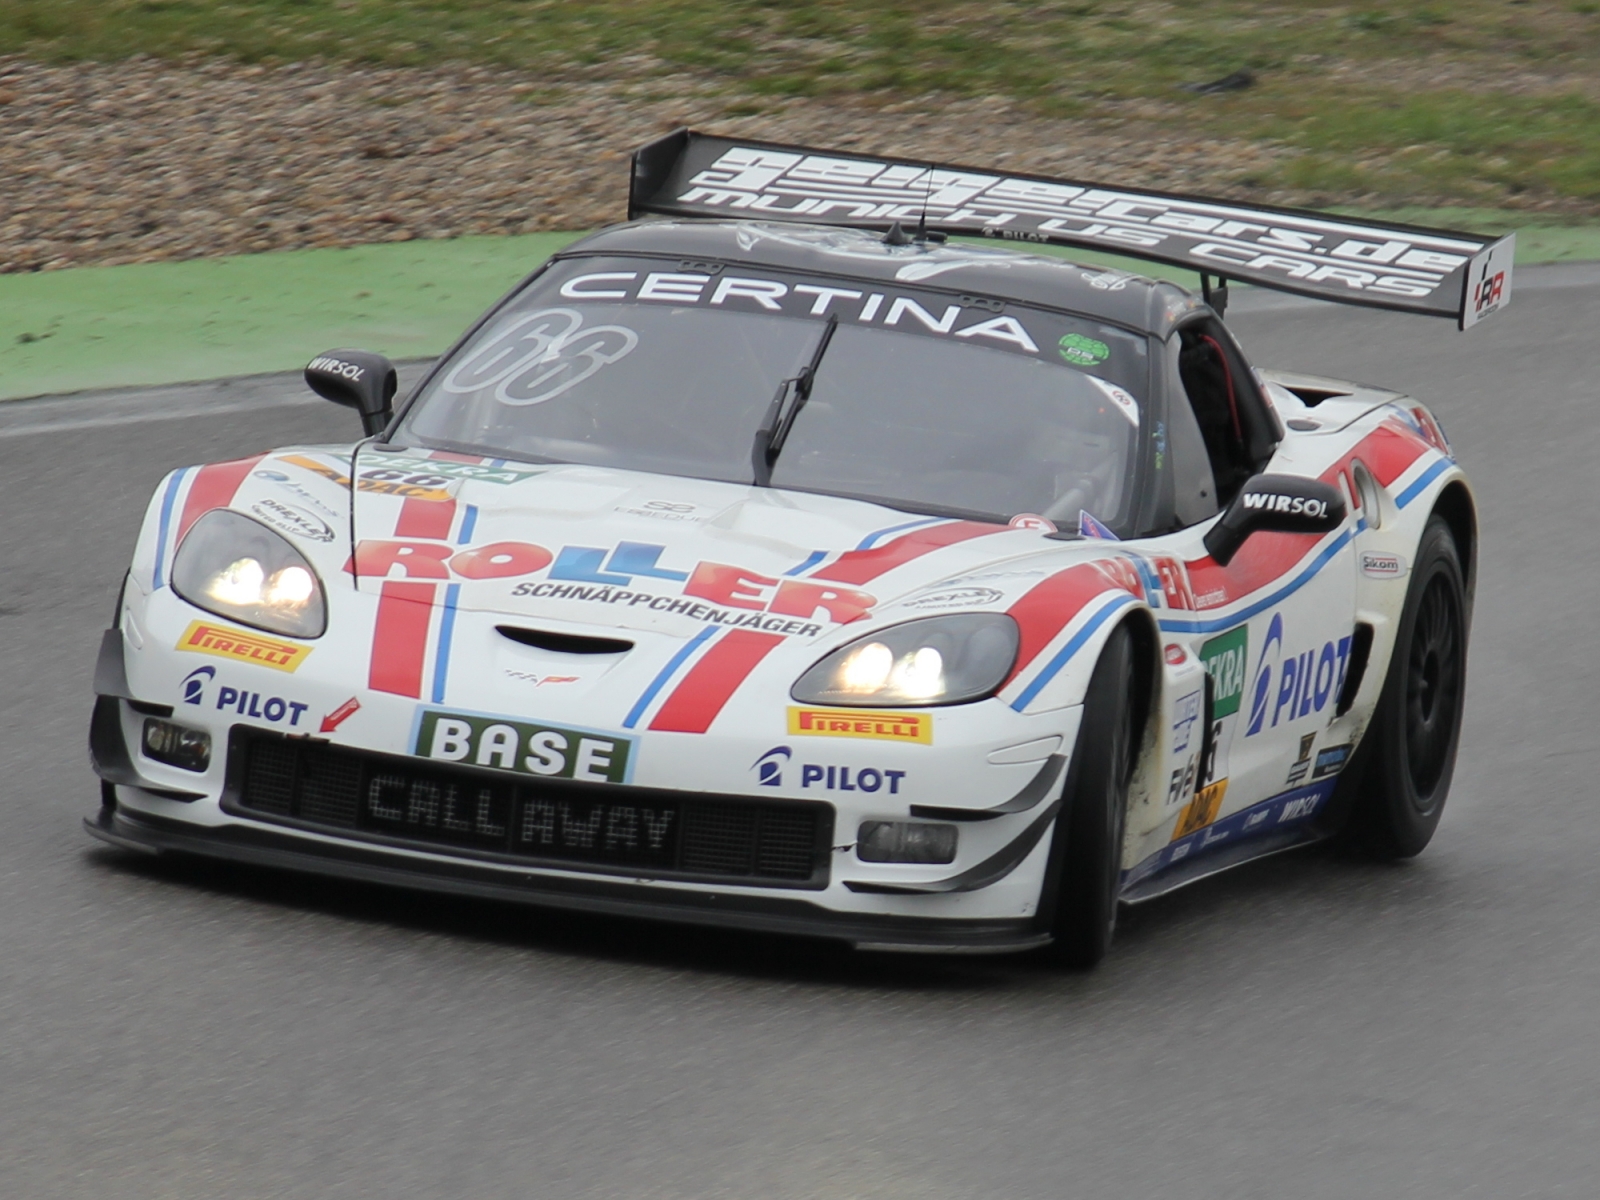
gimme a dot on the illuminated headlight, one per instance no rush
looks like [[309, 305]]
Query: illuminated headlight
[[935, 660], [177, 745], [240, 569]]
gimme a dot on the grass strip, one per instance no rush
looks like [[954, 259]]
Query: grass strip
[[96, 327], [99, 327], [1481, 100]]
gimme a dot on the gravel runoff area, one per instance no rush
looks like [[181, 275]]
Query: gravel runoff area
[[141, 160]]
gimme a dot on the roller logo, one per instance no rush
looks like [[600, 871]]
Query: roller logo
[[236, 645]]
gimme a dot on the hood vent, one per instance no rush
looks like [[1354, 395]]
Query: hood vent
[[1313, 396], [564, 643]]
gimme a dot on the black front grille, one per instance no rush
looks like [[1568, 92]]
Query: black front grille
[[488, 814]]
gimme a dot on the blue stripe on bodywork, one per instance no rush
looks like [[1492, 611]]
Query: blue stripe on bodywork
[[447, 628], [812, 560], [447, 619], [1422, 481], [1288, 589], [167, 502], [1064, 655], [667, 672], [872, 539], [1236, 827]]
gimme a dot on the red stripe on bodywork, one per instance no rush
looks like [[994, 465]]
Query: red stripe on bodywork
[[214, 487], [426, 519], [400, 637], [861, 566], [1388, 452], [452, 456], [1043, 612], [697, 700]]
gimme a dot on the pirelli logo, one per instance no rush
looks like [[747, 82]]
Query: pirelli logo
[[862, 723], [221, 642]]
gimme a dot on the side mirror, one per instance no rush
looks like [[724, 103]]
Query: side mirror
[[1279, 503], [357, 379]]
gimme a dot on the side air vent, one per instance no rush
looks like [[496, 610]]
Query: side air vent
[[1360, 651], [564, 643]]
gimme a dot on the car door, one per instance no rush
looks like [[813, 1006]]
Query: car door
[[1274, 626]]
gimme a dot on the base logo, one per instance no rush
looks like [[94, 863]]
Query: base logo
[[532, 749], [862, 723], [238, 646]]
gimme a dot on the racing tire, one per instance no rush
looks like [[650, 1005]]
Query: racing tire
[[1411, 742], [1088, 847]]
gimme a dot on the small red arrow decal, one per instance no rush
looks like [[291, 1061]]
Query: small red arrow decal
[[337, 717]]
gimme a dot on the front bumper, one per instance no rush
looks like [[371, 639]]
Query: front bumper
[[985, 902], [732, 910]]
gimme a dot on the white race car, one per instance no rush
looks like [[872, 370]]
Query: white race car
[[770, 562]]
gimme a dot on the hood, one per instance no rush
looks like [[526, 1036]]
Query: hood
[[564, 546]]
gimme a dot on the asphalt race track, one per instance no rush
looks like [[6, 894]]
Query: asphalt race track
[[1306, 1027]]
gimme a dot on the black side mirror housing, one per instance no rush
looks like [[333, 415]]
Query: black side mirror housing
[[357, 379], [1279, 503]]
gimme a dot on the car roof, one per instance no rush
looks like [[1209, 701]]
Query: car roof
[[1132, 301]]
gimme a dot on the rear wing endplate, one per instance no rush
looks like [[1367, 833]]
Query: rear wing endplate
[[1350, 260]]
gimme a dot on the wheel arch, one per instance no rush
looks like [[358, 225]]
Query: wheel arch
[[1456, 505], [1146, 637]]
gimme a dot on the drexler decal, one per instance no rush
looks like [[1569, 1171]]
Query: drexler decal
[[236, 645], [862, 723], [387, 487]]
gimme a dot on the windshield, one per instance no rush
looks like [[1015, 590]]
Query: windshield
[[923, 400]]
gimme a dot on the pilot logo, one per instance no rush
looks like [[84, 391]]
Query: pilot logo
[[194, 684], [769, 767], [1287, 687]]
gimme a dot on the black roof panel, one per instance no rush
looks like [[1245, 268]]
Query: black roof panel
[[1132, 301]]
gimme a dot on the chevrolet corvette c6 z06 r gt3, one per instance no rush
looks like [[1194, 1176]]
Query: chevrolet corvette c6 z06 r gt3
[[771, 561]]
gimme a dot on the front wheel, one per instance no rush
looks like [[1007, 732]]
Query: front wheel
[[1416, 727], [1086, 857]]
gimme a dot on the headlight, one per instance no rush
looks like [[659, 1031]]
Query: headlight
[[935, 660], [240, 569]]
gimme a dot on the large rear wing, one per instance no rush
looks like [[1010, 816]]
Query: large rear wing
[[1350, 260]]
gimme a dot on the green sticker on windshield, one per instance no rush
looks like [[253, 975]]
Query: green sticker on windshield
[[1084, 351]]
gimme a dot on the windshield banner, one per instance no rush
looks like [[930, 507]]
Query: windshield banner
[[1352, 260]]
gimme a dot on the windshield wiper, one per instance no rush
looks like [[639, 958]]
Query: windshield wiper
[[781, 414]]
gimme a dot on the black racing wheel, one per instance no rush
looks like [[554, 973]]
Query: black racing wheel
[[1409, 752], [1086, 855]]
